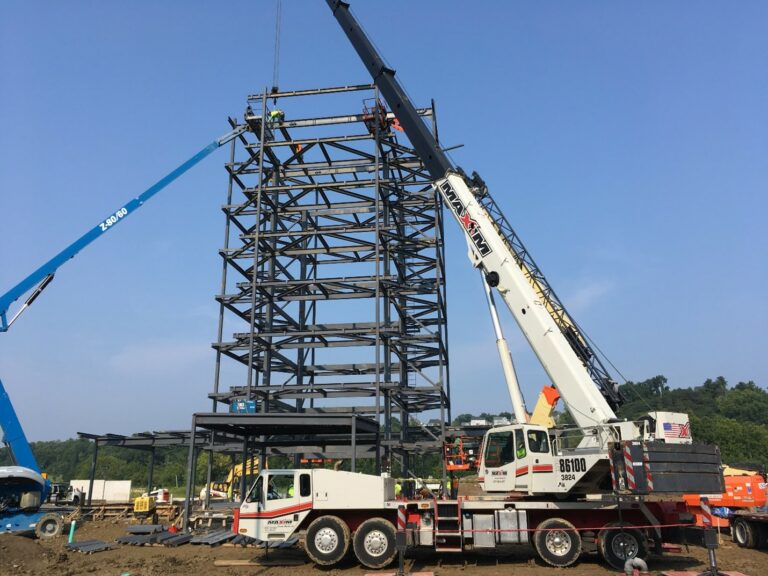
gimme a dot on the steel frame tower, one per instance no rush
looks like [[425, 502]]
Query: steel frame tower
[[333, 281]]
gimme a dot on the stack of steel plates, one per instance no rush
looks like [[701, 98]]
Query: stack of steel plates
[[88, 546]]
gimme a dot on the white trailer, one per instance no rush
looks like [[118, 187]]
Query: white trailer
[[336, 510]]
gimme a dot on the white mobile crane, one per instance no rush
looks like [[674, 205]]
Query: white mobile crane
[[530, 475]]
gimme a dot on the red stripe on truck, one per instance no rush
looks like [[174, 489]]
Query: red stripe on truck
[[279, 511]]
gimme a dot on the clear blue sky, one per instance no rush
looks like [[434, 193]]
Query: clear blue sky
[[626, 142]]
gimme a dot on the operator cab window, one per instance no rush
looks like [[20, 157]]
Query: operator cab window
[[500, 449], [305, 485], [538, 441], [280, 486], [520, 443], [257, 492]]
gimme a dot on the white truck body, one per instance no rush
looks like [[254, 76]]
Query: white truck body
[[336, 510], [277, 514]]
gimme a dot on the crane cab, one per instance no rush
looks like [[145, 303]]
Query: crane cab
[[513, 456]]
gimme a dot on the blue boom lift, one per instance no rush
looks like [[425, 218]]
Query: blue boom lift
[[23, 488]]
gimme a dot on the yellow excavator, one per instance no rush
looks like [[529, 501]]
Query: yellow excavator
[[229, 489]]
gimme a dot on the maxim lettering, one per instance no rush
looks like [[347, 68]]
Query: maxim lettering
[[469, 225]]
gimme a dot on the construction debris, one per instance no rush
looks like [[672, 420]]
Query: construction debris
[[243, 540], [214, 538], [135, 539], [287, 544], [177, 540], [145, 528], [88, 546]]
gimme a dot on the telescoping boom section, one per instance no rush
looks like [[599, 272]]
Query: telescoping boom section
[[605, 453], [583, 382]]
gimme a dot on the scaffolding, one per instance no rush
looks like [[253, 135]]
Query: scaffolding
[[333, 281]]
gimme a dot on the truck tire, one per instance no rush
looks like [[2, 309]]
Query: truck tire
[[743, 533], [49, 526], [557, 542], [374, 543], [327, 540], [617, 546]]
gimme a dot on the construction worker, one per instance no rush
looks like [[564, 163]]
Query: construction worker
[[290, 491], [457, 450], [520, 442], [398, 489], [276, 116]]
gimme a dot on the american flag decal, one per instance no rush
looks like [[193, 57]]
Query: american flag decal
[[677, 430]]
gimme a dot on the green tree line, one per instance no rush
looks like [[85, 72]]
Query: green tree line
[[65, 460], [734, 418]]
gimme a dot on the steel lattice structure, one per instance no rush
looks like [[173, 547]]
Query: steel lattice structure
[[333, 283]]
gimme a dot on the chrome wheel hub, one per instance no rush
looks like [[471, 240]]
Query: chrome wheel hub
[[326, 540], [375, 543], [558, 542]]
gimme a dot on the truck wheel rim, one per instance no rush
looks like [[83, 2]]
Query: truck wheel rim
[[326, 540], [741, 536], [624, 546], [375, 543], [558, 542]]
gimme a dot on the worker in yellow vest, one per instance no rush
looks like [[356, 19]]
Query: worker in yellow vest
[[276, 116]]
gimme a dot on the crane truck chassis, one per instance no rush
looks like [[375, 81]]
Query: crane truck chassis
[[337, 510]]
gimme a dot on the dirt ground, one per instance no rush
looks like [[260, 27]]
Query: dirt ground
[[26, 556]]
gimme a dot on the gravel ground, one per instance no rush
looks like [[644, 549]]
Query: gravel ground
[[26, 556]]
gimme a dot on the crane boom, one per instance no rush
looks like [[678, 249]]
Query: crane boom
[[41, 277], [584, 384]]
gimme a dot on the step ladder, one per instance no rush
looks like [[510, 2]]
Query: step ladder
[[448, 537]]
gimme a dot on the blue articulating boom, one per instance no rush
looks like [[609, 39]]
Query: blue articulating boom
[[22, 486], [41, 277], [13, 434]]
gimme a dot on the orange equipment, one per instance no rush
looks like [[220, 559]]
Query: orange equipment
[[462, 453], [374, 112], [743, 489]]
